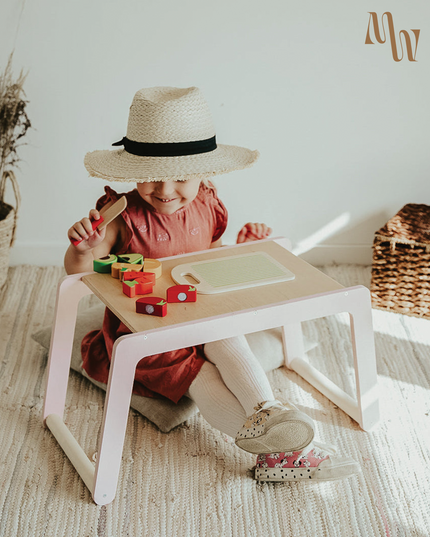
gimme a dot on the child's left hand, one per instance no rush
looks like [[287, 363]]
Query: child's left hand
[[253, 232]]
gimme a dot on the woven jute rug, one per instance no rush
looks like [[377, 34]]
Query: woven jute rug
[[194, 481]]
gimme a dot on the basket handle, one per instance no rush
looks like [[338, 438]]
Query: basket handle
[[9, 174]]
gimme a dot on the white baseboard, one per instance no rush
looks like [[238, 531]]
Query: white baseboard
[[40, 254], [48, 254], [351, 254]]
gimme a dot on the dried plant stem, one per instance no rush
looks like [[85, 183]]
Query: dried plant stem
[[14, 121]]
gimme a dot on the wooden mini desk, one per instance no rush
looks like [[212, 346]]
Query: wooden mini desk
[[310, 295]]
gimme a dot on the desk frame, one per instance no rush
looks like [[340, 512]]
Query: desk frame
[[102, 479]]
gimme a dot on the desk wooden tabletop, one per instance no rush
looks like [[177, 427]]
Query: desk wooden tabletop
[[308, 281]]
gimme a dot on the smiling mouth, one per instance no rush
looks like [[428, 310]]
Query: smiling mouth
[[165, 200]]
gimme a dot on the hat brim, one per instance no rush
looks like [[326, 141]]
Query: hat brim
[[118, 165]]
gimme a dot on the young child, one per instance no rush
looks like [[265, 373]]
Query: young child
[[169, 152]]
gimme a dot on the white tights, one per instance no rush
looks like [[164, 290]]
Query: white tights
[[229, 385]]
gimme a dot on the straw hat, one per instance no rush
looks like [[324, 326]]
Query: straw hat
[[170, 135]]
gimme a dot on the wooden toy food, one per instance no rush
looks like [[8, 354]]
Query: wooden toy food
[[142, 284], [106, 216], [152, 305], [104, 264], [181, 293], [135, 259]]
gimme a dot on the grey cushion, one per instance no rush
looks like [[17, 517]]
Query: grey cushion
[[267, 346]]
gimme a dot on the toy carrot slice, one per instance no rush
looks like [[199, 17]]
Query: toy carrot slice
[[106, 216]]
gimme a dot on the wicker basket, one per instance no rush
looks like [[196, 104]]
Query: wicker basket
[[401, 263], [8, 217]]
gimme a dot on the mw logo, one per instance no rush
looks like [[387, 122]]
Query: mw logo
[[373, 19]]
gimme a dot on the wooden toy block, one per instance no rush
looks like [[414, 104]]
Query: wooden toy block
[[182, 293], [129, 288], [123, 271], [127, 275], [144, 288], [134, 287], [142, 283], [117, 267], [106, 216], [153, 265], [135, 259], [152, 305], [130, 275], [124, 275], [104, 264]]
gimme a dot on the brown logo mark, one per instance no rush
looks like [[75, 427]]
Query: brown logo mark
[[373, 19]]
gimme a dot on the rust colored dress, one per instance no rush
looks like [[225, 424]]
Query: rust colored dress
[[190, 229]]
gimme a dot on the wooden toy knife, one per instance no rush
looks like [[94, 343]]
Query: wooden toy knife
[[106, 216]]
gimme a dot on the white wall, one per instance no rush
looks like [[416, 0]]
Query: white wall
[[342, 128]]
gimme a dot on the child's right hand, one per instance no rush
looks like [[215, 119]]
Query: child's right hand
[[83, 231]]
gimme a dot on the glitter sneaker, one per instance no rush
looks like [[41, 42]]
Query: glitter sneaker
[[275, 427], [317, 462]]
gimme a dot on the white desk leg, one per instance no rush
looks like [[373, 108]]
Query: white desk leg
[[292, 338], [356, 301], [126, 354], [70, 291], [363, 346]]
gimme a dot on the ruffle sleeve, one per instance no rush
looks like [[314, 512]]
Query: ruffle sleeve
[[219, 211], [112, 196]]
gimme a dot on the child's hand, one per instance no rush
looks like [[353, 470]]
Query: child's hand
[[83, 231], [253, 232]]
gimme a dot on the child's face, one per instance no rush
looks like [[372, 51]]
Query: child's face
[[168, 196]]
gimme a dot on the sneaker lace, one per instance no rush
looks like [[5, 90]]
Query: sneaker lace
[[324, 449]]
